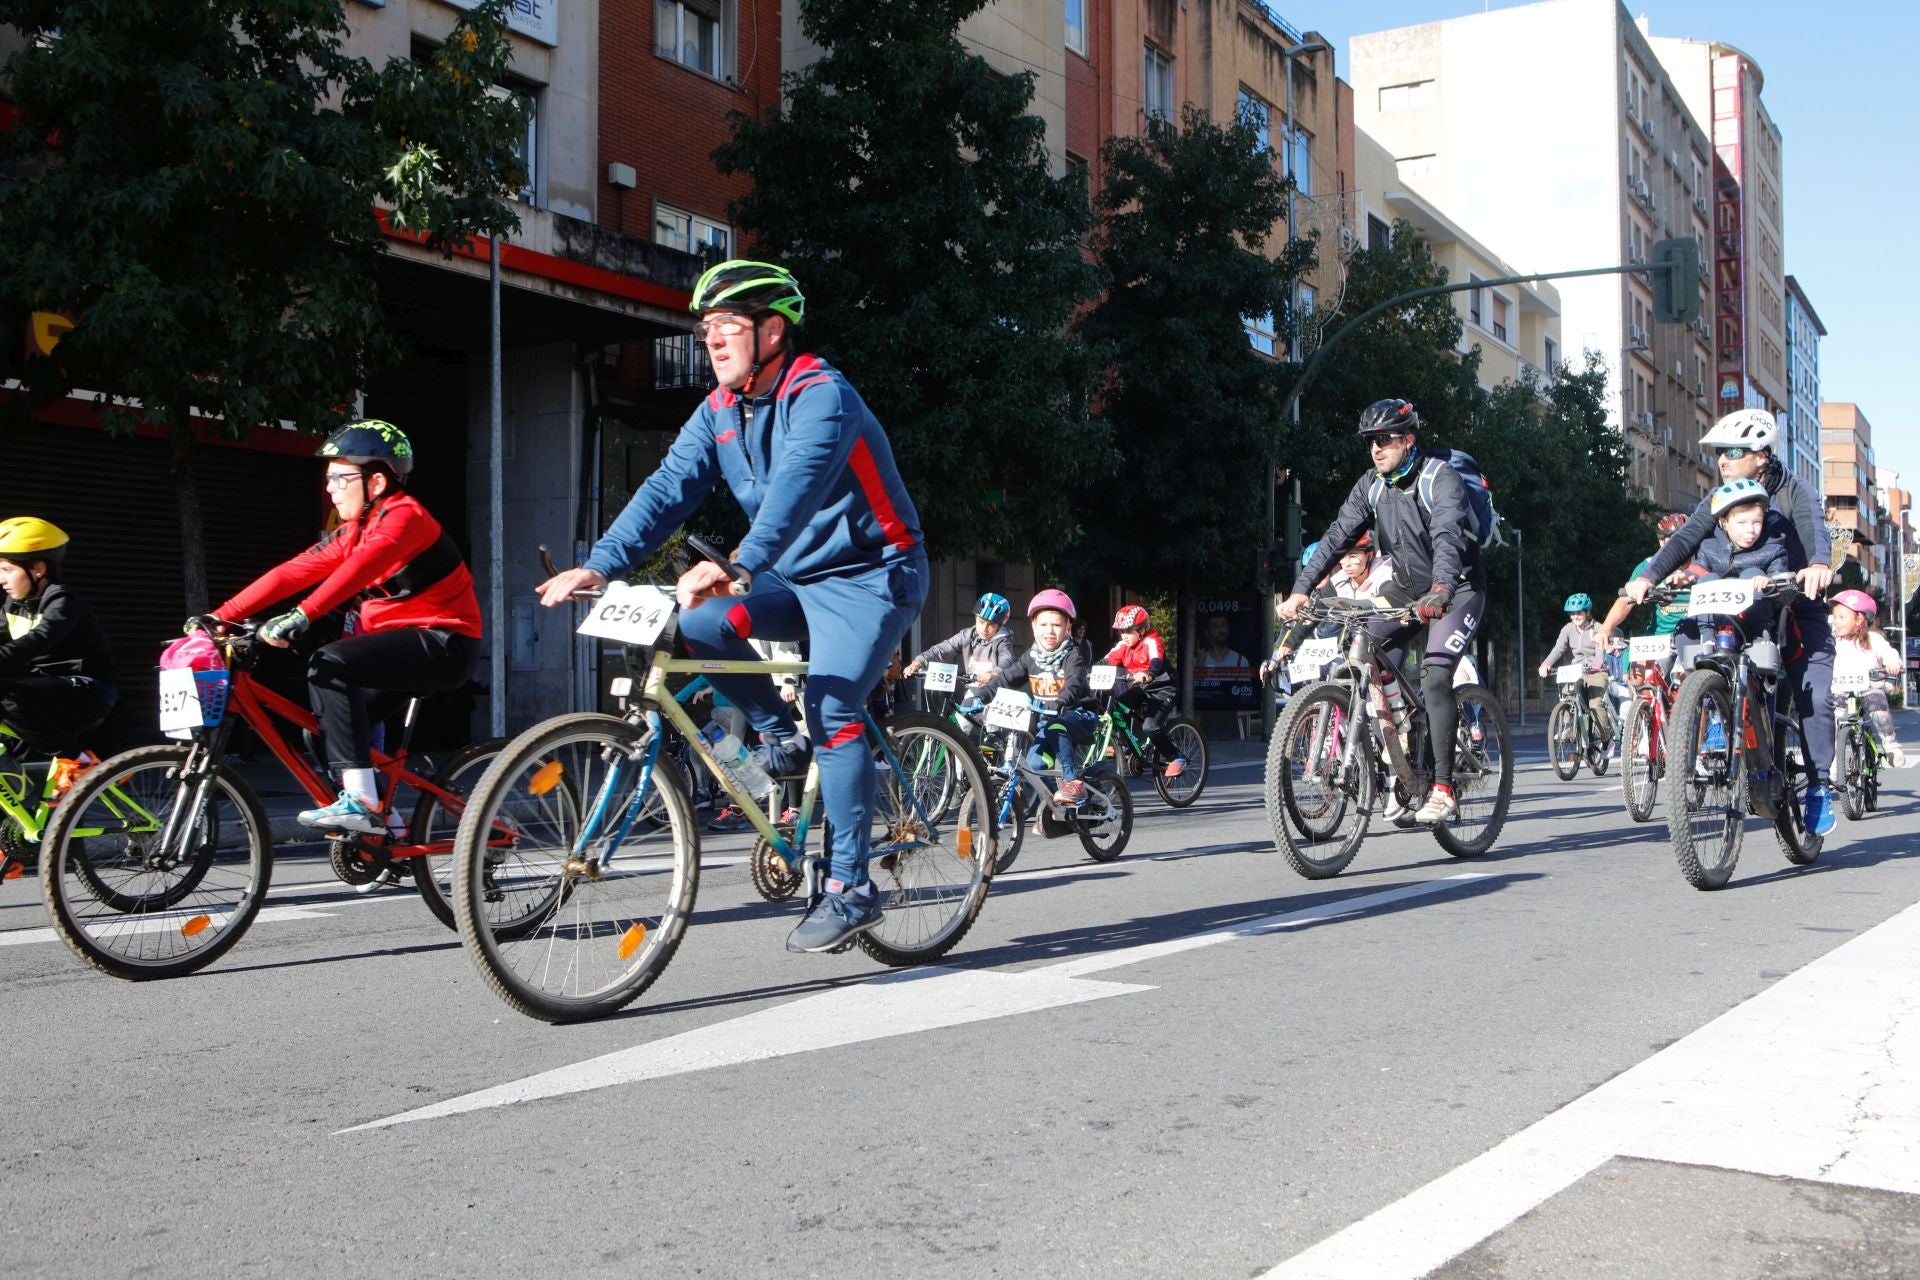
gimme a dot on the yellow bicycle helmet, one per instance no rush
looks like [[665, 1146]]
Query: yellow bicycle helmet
[[30, 535]]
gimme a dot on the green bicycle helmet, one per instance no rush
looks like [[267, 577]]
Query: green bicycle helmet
[[369, 442], [742, 285]]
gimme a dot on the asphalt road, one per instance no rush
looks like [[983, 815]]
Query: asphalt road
[[1557, 1059]]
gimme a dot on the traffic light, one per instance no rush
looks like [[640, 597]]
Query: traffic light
[[1676, 281]]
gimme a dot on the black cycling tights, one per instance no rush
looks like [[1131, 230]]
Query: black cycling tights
[[345, 676], [1448, 637]]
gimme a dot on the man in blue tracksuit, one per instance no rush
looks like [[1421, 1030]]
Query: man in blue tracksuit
[[834, 554]]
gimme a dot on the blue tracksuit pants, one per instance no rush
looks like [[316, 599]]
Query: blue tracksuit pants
[[854, 624]]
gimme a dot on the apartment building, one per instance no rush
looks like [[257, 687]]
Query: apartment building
[[1799, 450], [1516, 328], [1603, 160], [1849, 481], [1721, 87]]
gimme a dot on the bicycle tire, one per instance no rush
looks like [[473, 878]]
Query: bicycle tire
[[1706, 795], [147, 927], [584, 928], [1010, 815], [1801, 846], [1870, 784], [1190, 744], [1640, 762], [1563, 742], [432, 820], [1307, 805], [933, 876], [1482, 775], [1105, 838], [1847, 767]]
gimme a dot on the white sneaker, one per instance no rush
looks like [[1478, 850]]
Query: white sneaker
[[1440, 807], [1898, 757]]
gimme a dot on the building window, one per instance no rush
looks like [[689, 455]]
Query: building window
[[1473, 300], [1406, 97], [1262, 336], [1254, 111], [1077, 26], [1159, 84], [679, 361], [528, 147], [690, 233], [1550, 358], [1302, 161], [1379, 234], [1411, 168], [693, 34], [1500, 306]]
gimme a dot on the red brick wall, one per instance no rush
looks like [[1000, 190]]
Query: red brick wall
[[1090, 89], [665, 120]]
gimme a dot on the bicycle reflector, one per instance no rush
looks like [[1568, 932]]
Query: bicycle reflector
[[545, 778], [630, 940], [195, 926]]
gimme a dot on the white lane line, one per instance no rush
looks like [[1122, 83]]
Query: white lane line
[[157, 924], [892, 1004], [1817, 1078]]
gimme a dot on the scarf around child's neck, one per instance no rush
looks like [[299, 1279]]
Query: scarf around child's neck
[[1051, 661]]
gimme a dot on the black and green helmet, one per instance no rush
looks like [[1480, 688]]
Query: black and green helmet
[[371, 441], [741, 285]]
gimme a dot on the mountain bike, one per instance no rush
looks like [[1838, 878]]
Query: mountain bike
[[582, 907], [1643, 738], [1361, 732], [27, 804], [1735, 724], [1574, 733], [1132, 751], [158, 860], [1103, 820], [1857, 753]]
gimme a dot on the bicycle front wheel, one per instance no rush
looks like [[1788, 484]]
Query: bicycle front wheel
[[1190, 748], [1790, 755], [1563, 741], [574, 877], [1640, 762], [1482, 775], [1319, 793], [144, 883], [1847, 761], [1706, 794], [932, 872]]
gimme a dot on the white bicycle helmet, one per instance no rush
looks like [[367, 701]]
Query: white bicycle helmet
[[1743, 429]]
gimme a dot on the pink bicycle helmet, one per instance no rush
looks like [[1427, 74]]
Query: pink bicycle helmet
[[1858, 601], [1052, 598]]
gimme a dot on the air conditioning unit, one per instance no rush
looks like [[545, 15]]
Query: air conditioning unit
[[1666, 436], [1640, 188], [1700, 203], [1636, 334], [1646, 491], [1679, 368], [1646, 418], [1700, 390], [1646, 123], [1673, 161]]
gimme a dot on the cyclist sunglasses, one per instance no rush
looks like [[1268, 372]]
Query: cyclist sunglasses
[[1736, 453]]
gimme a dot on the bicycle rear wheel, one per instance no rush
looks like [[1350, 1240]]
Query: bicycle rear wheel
[[576, 912], [1847, 761], [1790, 828], [435, 822], [1706, 791], [1189, 746], [932, 873], [1010, 811], [1318, 801], [139, 883], [1482, 775], [1563, 741], [1640, 762]]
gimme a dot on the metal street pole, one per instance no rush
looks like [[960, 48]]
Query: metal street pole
[[1520, 618], [496, 500]]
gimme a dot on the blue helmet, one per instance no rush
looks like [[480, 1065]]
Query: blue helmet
[[1306, 556], [1578, 602], [1736, 493], [994, 607]]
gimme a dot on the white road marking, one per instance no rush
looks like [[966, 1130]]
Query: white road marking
[[1817, 1078], [156, 924], [892, 1004]]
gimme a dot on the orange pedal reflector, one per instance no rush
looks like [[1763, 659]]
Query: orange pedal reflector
[[546, 778], [14, 871], [963, 841], [630, 940], [195, 926]]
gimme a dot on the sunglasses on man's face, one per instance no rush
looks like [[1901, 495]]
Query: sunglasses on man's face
[[1736, 453]]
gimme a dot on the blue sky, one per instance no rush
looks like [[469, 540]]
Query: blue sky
[[1839, 81]]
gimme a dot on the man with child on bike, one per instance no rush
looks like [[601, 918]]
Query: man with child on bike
[[833, 555], [1418, 512], [1744, 440]]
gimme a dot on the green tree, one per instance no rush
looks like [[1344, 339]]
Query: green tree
[[1408, 354], [194, 183], [906, 184], [1186, 215]]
